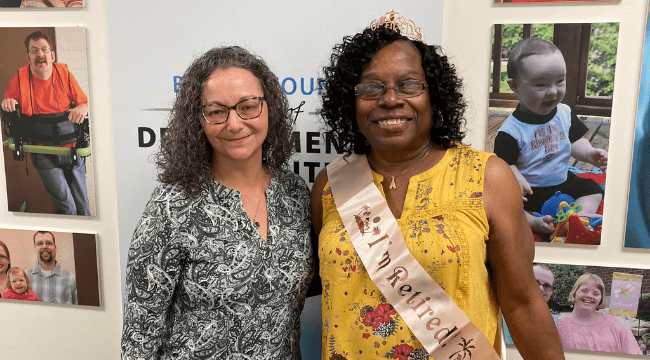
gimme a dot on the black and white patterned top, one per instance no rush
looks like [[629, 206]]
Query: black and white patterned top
[[201, 283]]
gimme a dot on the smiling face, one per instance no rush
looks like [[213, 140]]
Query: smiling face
[[541, 82], [18, 282], [40, 57], [236, 139], [392, 122], [45, 247], [588, 296]]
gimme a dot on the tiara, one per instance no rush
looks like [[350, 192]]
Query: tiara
[[396, 22]]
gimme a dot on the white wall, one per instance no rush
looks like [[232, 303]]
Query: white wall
[[43, 331], [467, 35]]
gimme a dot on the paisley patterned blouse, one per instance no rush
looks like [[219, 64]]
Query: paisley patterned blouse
[[445, 228], [201, 282]]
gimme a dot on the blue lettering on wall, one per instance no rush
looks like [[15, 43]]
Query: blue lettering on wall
[[311, 86], [284, 86], [177, 82]]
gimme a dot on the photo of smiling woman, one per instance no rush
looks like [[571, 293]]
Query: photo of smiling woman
[[587, 329], [220, 262]]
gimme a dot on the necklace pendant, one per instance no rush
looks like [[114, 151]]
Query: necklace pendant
[[392, 184], [257, 224]]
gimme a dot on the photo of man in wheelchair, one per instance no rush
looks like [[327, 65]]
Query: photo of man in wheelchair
[[45, 113]]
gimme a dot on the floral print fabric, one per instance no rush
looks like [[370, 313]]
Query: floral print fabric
[[445, 228], [203, 284]]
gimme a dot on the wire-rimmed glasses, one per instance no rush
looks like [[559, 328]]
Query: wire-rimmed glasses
[[404, 89]]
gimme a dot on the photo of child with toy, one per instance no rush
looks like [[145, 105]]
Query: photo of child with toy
[[597, 308], [550, 109]]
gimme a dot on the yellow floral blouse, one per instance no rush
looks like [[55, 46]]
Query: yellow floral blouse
[[445, 228]]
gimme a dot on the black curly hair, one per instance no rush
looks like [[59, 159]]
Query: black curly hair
[[348, 61], [185, 155]]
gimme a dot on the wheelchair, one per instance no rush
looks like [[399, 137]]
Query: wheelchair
[[45, 134]]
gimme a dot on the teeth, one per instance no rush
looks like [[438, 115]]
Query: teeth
[[391, 121]]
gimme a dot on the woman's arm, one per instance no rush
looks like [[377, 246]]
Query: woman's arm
[[317, 201], [317, 223], [153, 268], [510, 256]]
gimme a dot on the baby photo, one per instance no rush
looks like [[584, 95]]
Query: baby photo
[[44, 111], [549, 118], [49, 266], [597, 308]]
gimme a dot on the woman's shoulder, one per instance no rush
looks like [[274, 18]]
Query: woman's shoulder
[[468, 151]]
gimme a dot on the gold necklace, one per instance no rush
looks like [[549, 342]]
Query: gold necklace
[[392, 182]]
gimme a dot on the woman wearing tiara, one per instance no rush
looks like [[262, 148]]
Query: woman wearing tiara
[[220, 263], [395, 105]]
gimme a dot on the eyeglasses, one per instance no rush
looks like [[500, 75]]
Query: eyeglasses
[[546, 286], [41, 243], [403, 89], [247, 109], [44, 50], [2, 257]]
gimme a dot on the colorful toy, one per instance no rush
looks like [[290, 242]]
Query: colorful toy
[[570, 228]]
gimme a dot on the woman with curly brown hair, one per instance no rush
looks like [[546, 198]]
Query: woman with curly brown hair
[[220, 263], [421, 239]]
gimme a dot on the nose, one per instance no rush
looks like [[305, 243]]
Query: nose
[[390, 98], [235, 122]]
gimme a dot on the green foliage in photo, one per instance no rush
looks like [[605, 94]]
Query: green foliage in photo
[[602, 54]]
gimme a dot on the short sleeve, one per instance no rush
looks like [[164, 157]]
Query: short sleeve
[[506, 147], [578, 129]]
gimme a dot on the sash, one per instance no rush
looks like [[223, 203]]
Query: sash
[[438, 323]]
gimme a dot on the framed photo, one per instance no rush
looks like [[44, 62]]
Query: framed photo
[[546, 1], [41, 4], [550, 93], [637, 234], [45, 118], [56, 267], [597, 308]]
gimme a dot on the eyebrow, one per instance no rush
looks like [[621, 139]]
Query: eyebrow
[[238, 101], [375, 75]]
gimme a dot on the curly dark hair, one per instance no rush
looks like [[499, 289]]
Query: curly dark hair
[[348, 61], [185, 155]]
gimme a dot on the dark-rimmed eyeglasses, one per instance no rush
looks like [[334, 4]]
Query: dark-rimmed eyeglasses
[[546, 286], [2, 257], [404, 89], [247, 109]]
